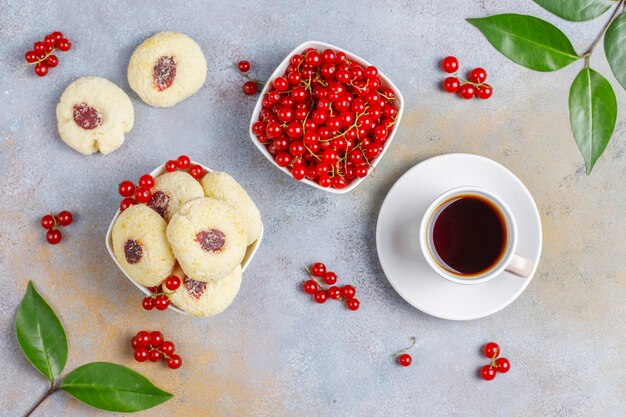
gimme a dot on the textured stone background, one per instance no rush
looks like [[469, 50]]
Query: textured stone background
[[275, 352]]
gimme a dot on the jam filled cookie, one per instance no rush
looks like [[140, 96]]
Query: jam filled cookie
[[93, 115], [222, 186], [207, 238], [171, 190], [204, 299], [166, 69], [140, 245]]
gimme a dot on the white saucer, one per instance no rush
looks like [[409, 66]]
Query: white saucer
[[397, 236]]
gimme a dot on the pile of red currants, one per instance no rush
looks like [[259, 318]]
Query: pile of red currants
[[326, 118], [41, 55], [50, 222], [320, 293], [475, 86], [151, 346]]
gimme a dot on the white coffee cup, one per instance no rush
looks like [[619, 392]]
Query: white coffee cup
[[509, 261]]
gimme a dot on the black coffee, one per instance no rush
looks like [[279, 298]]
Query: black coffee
[[469, 235]]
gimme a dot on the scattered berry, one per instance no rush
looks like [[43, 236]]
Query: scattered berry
[[450, 64], [244, 66], [405, 359], [249, 88], [172, 283], [64, 218], [54, 236]]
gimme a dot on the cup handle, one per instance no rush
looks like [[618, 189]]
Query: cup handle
[[520, 266]]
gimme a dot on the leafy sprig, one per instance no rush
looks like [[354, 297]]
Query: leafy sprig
[[541, 46], [102, 385]]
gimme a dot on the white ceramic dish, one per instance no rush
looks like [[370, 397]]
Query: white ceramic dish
[[385, 82], [397, 236], [250, 252]]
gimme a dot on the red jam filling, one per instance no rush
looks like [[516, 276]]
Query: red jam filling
[[133, 251], [87, 116], [160, 202], [211, 240], [194, 288], [164, 72]]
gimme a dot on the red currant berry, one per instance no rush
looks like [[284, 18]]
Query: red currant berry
[[320, 296], [161, 302], [283, 159], [183, 162], [502, 365], [298, 172], [244, 66], [170, 166], [31, 56], [143, 338], [126, 189], [52, 61], [143, 194], [353, 304], [371, 72], [64, 44], [310, 286], [147, 303], [172, 283], [156, 338], [324, 181], [451, 85], [50, 40], [478, 75], [133, 343], [281, 84], [196, 171], [330, 278], [57, 35], [141, 354], [450, 64], [313, 58], [487, 373], [146, 181], [167, 348], [467, 91], [41, 69], [484, 91], [334, 293], [491, 350], [405, 359], [127, 202], [249, 88], [54, 236], [65, 218], [174, 362], [48, 222], [155, 355], [39, 47], [348, 292], [318, 269]]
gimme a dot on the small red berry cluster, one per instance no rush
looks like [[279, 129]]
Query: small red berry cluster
[[50, 223], [250, 87], [152, 346], [326, 118], [160, 298], [321, 293], [41, 54], [184, 163], [142, 193], [404, 358], [501, 365], [474, 87]]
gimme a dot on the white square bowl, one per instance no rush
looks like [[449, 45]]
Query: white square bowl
[[250, 252], [384, 82]]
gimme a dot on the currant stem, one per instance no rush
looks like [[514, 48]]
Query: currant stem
[[413, 341], [587, 54], [51, 391]]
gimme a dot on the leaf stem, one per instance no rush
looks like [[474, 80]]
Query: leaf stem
[[587, 54], [48, 393]]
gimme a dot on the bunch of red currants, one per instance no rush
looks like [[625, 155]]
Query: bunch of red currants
[[475, 86], [152, 346], [499, 365], [41, 55], [320, 293], [50, 222]]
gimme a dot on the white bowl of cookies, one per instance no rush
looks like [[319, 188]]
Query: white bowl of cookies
[[186, 238]]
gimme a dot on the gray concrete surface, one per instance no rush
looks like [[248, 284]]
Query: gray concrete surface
[[275, 352]]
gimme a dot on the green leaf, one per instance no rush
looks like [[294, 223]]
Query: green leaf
[[40, 334], [527, 40], [576, 10], [112, 387], [615, 48], [592, 113]]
